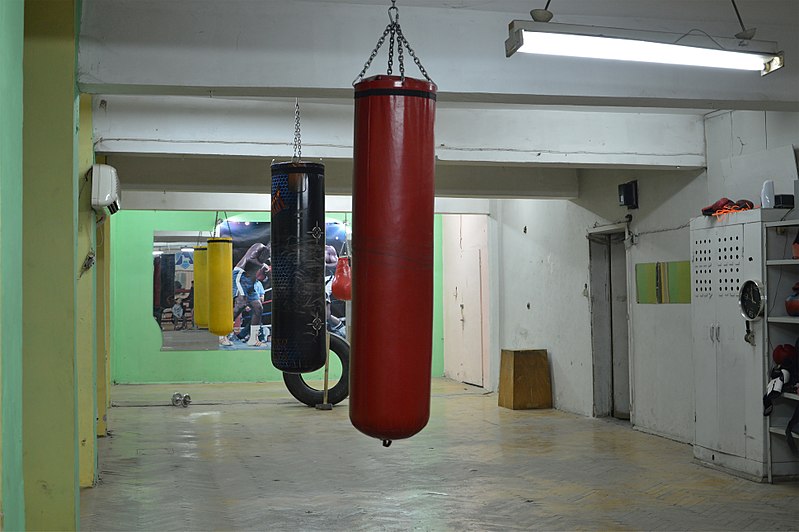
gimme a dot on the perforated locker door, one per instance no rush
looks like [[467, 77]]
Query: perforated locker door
[[728, 253], [731, 349], [704, 283]]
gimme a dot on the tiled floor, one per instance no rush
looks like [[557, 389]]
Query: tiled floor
[[249, 457]]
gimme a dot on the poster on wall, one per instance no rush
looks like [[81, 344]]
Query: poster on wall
[[173, 289]]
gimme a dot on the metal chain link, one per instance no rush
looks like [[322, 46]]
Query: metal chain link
[[399, 48], [374, 54], [297, 133], [396, 39], [393, 33], [416, 60]]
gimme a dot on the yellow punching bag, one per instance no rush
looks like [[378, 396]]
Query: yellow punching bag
[[220, 285], [201, 287]]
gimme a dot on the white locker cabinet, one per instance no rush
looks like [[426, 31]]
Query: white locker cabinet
[[729, 374]]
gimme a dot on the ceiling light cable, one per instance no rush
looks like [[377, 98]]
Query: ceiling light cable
[[745, 34]]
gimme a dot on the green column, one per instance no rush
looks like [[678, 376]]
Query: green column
[[12, 495], [49, 221], [86, 317]]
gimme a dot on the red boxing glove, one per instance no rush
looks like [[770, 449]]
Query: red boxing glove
[[342, 280]]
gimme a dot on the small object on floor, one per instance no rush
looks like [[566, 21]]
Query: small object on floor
[[324, 406], [177, 399]]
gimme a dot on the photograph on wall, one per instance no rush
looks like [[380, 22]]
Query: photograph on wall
[[173, 288]]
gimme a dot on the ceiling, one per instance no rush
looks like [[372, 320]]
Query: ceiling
[[246, 50], [753, 11]]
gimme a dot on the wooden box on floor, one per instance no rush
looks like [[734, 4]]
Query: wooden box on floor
[[524, 381]]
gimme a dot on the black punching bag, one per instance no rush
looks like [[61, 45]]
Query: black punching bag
[[298, 266], [167, 279]]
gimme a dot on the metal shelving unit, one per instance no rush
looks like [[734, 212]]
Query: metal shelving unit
[[782, 262], [778, 270], [784, 319]]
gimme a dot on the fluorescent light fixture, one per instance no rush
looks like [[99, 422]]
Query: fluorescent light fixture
[[594, 42], [157, 253]]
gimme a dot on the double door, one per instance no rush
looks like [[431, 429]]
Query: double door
[[720, 353]]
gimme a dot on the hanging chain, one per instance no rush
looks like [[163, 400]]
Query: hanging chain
[[400, 39], [396, 38], [416, 59], [393, 34], [297, 133]]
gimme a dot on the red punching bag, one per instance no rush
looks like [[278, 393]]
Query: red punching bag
[[392, 296], [342, 280]]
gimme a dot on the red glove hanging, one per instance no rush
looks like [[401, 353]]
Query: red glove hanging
[[342, 280]]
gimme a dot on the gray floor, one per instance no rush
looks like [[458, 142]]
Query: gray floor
[[189, 340], [249, 457]]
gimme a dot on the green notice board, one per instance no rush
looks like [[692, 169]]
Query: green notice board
[[663, 282]]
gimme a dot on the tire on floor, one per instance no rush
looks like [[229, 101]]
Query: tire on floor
[[311, 396]]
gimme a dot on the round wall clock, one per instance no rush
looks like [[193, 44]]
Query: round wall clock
[[752, 299]]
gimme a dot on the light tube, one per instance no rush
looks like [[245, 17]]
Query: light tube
[[596, 47], [687, 49]]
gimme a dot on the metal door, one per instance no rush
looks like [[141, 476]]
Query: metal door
[[620, 337], [703, 309], [731, 348]]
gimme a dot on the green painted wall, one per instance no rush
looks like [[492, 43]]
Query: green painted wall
[[12, 496], [136, 355], [49, 225]]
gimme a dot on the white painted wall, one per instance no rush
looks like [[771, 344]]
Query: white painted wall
[[757, 142], [548, 267], [145, 200], [191, 125]]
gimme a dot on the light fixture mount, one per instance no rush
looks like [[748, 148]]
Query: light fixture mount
[[595, 42], [541, 15]]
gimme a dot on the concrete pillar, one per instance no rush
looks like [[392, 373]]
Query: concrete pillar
[[86, 317], [49, 280], [103, 327]]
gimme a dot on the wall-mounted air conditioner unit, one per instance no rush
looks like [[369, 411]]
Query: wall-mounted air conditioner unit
[[105, 188]]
